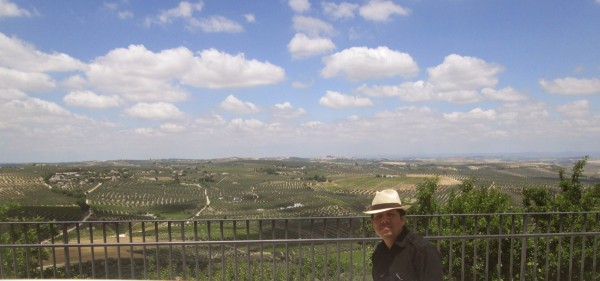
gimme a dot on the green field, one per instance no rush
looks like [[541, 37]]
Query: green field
[[254, 188]]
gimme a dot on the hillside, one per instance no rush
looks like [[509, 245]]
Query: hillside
[[253, 188]]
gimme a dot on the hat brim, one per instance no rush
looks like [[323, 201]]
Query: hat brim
[[375, 211]]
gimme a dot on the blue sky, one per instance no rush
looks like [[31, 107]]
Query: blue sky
[[133, 79]]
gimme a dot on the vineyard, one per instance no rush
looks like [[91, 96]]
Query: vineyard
[[253, 188], [177, 218]]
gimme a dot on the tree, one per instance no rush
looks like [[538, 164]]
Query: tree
[[571, 188], [471, 199], [14, 262], [426, 203], [573, 196], [537, 200], [591, 198], [481, 200]]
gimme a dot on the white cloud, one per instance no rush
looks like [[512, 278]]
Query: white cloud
[[572, 86], [75, 82], [138, 74], [148, 132], [342, 10], [576, 109], [9, 9], [524, 114], [216, 24], [250, 17], [476, 113], [114, 7], [11, 94], [214, 69], [459, 96], [233, 104], [286, 110], [184, 10], [338, 101], [299, 6], [91, 100], [246, 125], [154, 111], [29, 112], [25, 81], [312, 124], [301, 85], [461, 73], [457, 80], [211, 120], [408, 91], [507, 94], [125, 15], [172, 128], [379, 10], [21, 56], [420, 91], [301, 46], [359, 63], [312, 26]]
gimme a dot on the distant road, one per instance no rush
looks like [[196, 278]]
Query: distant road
[[93, 188]]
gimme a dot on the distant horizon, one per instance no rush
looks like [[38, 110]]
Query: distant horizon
[[441, 156], [203, 79]]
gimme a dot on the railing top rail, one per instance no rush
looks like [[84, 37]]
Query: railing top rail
[[298, 218], [296, 241]]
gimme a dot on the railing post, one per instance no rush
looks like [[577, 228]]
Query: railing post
[[41, 249], [118, 238], [235, 254], [91, 228], [524, 248], [145, 275], [183, 253], [105, 250], [66, 248]]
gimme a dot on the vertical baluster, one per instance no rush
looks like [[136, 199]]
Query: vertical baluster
[[118, 237], [183, 254], [91, 228]]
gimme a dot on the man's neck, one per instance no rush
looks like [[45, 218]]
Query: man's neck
[[390, 240]]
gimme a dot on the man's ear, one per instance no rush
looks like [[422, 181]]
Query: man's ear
[[403, 219]]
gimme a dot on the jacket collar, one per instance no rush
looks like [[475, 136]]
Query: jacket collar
[[400, 241]]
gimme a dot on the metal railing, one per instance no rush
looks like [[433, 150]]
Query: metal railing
[[518, 246]]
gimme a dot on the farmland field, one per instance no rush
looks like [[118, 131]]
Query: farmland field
[[254, 188]]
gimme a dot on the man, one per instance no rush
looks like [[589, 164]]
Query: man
[[401, 255]]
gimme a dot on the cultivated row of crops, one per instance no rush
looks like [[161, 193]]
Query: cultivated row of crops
[[254, 188]]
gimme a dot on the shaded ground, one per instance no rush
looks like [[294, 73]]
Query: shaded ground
[[84, 254]]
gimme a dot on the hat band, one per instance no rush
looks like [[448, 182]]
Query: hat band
[[385, 206]]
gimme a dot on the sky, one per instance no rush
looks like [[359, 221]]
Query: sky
[[149, 79]]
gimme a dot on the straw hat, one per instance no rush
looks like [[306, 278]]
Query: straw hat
[[386, 200]]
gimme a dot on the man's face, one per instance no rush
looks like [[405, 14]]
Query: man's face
[[388, 224]]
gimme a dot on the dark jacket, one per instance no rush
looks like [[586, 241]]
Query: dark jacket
[[411, 258]]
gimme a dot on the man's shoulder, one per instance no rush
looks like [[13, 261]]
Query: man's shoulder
[[417, 240]]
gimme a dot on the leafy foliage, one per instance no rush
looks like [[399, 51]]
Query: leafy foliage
[[20, 262], [426, 203], [477, 200]]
